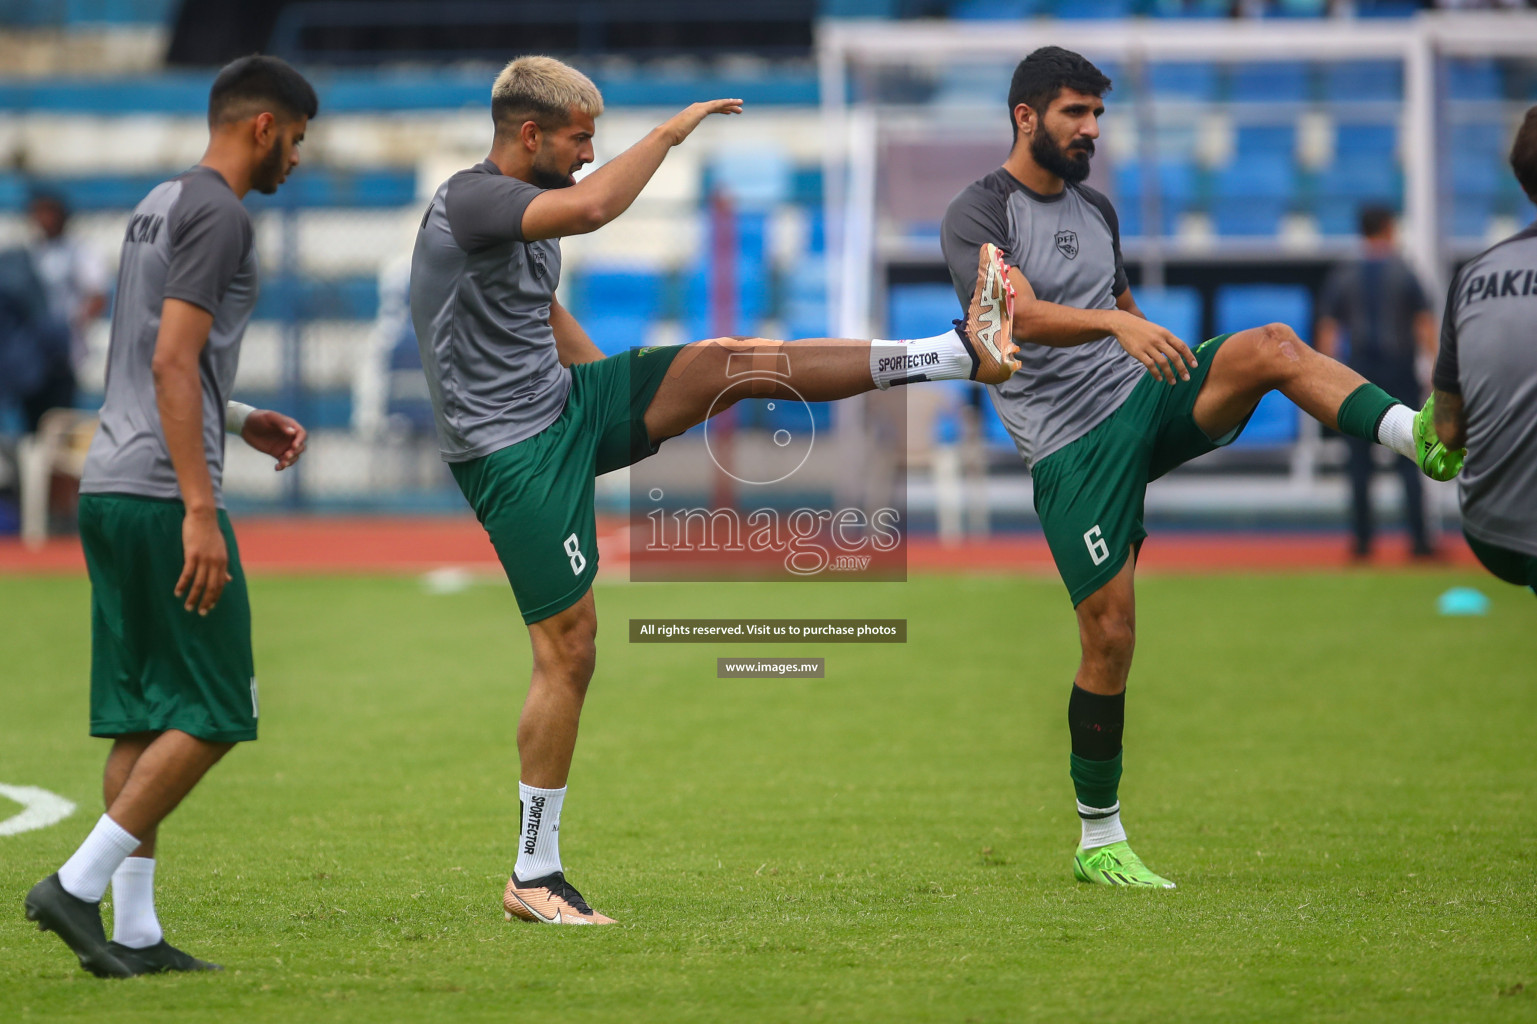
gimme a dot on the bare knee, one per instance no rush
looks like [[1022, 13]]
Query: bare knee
[[1275, 353], [1109, 637], [565, 647]]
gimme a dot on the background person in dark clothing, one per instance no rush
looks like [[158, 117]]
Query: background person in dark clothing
[[1375, 317]]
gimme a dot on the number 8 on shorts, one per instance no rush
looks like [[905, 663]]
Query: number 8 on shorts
[[573, 549]]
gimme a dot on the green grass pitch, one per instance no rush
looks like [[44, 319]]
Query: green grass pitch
[[1340, 781]]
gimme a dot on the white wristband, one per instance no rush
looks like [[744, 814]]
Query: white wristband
[[235, 414]]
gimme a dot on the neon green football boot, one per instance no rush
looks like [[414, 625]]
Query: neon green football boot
[[1435, 459], [1116, 865]]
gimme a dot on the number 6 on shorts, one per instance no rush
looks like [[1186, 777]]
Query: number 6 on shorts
[[1098, 549], [574, 552]]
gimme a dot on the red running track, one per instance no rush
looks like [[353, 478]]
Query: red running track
[[390, 545]]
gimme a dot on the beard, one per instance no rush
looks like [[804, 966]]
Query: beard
[[267, 174], [546, 174], [1070, 164]]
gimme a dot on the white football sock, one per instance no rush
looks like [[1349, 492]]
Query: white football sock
[[942, 357], [1101, 826], [539, 832], [134, 923], [1396, 431], [86, 874]]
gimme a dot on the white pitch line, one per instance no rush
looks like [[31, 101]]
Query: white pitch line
[[40, 809]]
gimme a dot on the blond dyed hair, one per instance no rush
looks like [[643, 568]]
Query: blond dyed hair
[[543, 90]]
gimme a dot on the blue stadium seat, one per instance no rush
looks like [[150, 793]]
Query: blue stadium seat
[[920, 310], [1470, 216], [995, 10], [1270, 82], [1069, 10], [1387, 8], [597, 292], [1190, 8], [1176, 182], [614, 333], [753, 285], [1178, 309], [308, 298], [1265, 140], [1251, 195], [805, 310], [1364, 177], [751, 177], [1374, 139], [1275, 421], [1473, 78], [1357, 80], [1190, 81]]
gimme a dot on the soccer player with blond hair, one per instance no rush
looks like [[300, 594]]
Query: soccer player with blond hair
[[529, 411]]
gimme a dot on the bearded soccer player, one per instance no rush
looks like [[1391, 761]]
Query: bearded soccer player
[[1486, 388], [1107, 401], [172, 680], [529, 411]]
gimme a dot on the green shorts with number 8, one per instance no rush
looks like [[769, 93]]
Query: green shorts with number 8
[[535, 498], [1089, 494]]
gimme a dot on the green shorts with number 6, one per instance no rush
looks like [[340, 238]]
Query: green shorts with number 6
[[155, 665], [535, 498], [1089, 494]]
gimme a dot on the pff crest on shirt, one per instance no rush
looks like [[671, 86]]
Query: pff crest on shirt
[[1067, 244]]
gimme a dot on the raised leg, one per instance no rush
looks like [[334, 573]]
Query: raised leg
[[1271, 358]]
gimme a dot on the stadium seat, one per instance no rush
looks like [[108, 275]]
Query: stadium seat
[[614, 332], [1358, 80], [1473, 78], [805, 311], [1178, 309], [1265, 140], [1186, 81], [995, 10], [598, 292], [1270, 82], [1377, 140], [750, 177], [1069, 10], [1252, 194], [1176, 183], [1275, 421], [920, 310]]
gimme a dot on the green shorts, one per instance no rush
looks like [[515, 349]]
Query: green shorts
[[155, 665], [1089, 494], [535, 498], [1511, 566]]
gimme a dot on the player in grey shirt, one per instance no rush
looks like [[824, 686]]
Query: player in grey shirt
[[1106, 402], [529, 411], [1486, 388], [172, 680]]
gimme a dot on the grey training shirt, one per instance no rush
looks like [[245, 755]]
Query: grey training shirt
[[1068, 246], [189, 239], [1489, 357], [480, 302]]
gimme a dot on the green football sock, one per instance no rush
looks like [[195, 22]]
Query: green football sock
[[1363, 409], [1096, 782]]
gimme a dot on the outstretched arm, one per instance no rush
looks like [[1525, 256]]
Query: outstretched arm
[[608, 191], [1047, 323]]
